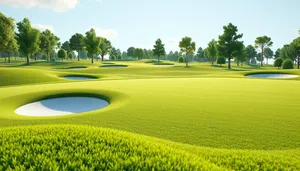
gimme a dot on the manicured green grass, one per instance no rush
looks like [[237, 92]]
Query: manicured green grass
[[217, 110], [67, 147]]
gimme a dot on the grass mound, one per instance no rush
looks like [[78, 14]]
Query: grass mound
[[18, 76], [68, 147]]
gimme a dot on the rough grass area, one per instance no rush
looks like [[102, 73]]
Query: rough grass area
[[66, 147]]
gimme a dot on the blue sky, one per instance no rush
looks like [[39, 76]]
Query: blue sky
[[140, 22]]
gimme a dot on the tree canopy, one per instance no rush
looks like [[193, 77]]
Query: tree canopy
[[92, 43], [77, 43], [47, 42], [187, 46], [159, 49], [262, 43], [228, 43], [28, 38], [105, 47], [212, 51]]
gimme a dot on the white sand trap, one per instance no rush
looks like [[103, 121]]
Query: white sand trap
[[272, 76], [112, 66], [61, 106], [78, 78]]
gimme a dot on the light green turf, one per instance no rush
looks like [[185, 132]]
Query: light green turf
[[203, 105]]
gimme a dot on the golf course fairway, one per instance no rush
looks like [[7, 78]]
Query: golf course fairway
[[159, 117]]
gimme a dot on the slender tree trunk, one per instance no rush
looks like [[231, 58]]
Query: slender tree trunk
[[27, 60], [229, 63], [102, 57], [298, 61], [158, 59], [8, 54], [262, 56], [78, 54], [92, 59], [186, 61]]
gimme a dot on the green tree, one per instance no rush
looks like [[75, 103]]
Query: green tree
[[278, 62], [228, 43], [288, 64], [221, 60], [62, 54], [92, 43], [284, 52], [28, 38], [71, 55], [240, 55], [105, 47], [268, 53], [187, 46], [295, 48], [200, 54], [212, 51], [138, 53], [77, 43], [262, 43], [251, 53], [66, 46], [277, 53], [115, 54], [8, 42], [159, 49], [130, 52], [124, 55], [47, 43]]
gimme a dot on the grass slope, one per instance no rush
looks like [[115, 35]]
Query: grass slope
[[67, 147]]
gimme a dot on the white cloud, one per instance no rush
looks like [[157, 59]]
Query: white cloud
[[55, 5], [106, 33], [43, 27], [171, 45]]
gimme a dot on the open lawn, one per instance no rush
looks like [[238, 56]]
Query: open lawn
[[198, 117]]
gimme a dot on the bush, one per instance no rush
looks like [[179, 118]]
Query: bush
[[221, 60], [62, 54], [181, 59], [288, 64], [278, 62]]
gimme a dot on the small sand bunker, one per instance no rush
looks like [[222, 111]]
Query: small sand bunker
[[114, 66], [61, 106], [272, 76], [78, 78], [71, 68]]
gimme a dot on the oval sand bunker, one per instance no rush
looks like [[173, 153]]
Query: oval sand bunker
[[114, 66], [61, 106], [272, 76], [78, 78]]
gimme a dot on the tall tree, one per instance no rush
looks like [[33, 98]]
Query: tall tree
[[187, 46], [124, 55], [66, 46], [139, 53], [8, 42], [92, 43], [200, 54], [229, 43], [251, 53], [62, 54], [77, 43], [159, 49], [240, 55], [212, 51], [268, 53], [47, 43], [115, 54], [28, 38], [262, 43], [130, 52], [105, 47], [295, 47], [277, 53]]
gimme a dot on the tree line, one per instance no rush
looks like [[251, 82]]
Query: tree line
[[31, 43]]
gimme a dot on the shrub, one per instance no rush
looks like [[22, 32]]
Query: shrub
[[288, 64], [221, 60], [62, 54], [181, 59], [278, 62]]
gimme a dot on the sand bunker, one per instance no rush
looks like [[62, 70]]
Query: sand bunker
[[78, 78], [272, 76], [61, 106]]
